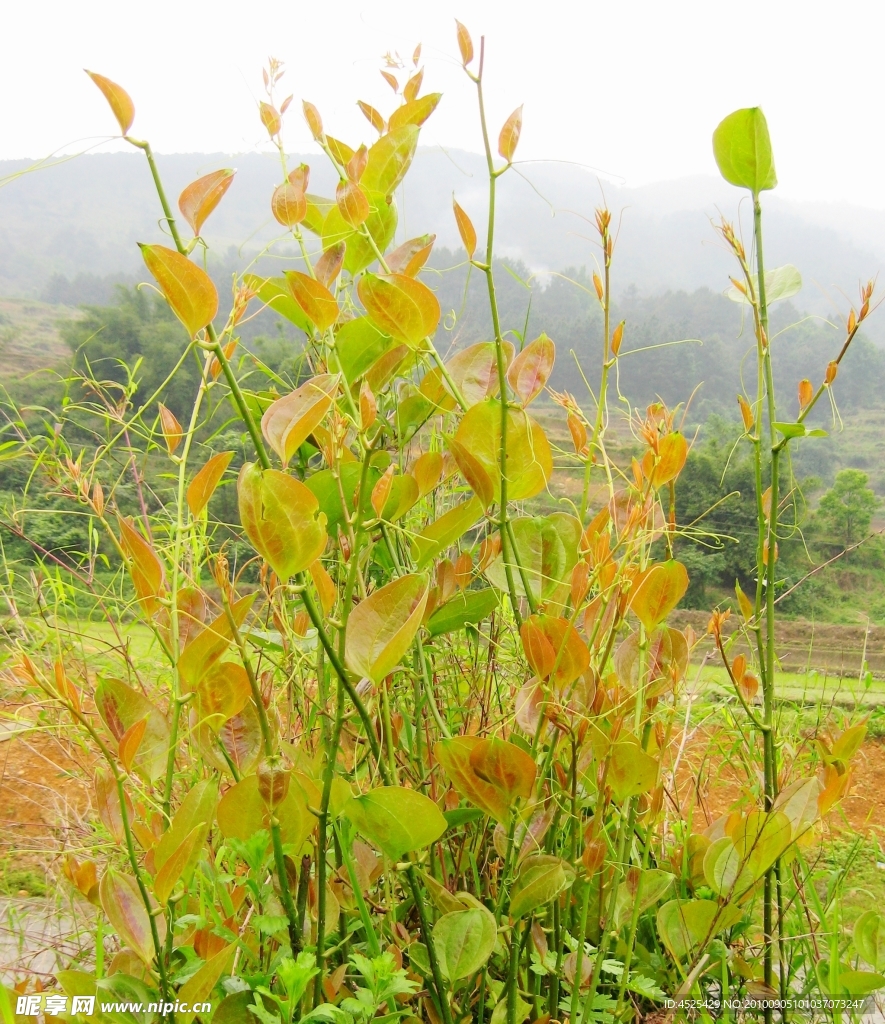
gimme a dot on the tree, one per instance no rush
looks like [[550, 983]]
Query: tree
[[848, 507], [140, 327]]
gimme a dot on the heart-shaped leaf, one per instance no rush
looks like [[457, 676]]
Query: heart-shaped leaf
[[657, 593], [381, 628], [742, 147], [188, 288], [397, 820], [464, 940], [541, 879], [402, 306], [281, 518], [289, 420]]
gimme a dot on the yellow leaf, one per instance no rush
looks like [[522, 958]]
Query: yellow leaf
[[118, 99], [188, 289]]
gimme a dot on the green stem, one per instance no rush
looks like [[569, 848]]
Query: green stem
[[270, 755]]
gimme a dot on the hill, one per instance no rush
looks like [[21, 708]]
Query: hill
[[80, 218]]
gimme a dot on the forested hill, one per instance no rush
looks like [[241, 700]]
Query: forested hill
[[80, 218]]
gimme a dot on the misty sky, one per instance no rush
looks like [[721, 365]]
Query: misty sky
[[630, 88]]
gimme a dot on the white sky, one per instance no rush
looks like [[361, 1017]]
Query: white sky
[[632, 88]]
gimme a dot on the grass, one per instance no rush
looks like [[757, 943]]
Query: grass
[[29, 337]]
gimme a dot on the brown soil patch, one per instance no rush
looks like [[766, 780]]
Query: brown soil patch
[[712, 780], [44, 796]]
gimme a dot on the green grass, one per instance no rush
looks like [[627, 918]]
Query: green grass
[[811, 687]]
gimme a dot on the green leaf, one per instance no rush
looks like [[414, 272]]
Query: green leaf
[[359, 344], [471, 606], [396, 820], [630, 771], [742, 147], [860, 983], [389, 159], [463, 816], [869, 938], [125, 909], [464, 941], [381, 628], [548, 551], [281, 518], [541, 879], [790, 430], [684, 926], [325, 488], [243, 811], [436, 537], [121, 707], [275, 293], [781, 283], [528, 462]]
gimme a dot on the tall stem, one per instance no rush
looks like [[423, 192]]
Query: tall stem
[[767, 568], [509, 553]]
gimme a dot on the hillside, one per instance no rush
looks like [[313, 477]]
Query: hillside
[[80, 218]]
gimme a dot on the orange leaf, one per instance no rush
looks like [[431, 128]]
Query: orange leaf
[[454, 755], [325, 586], [188, 289], [746, 413], [130, 741], [372, 116], [145, 568], [413, 85], [806, 393], [352, 203], [658, 592], [368, 406], [538, 650], [314, 121], [505, 766], [288, 204], [411, 256], [463, 570], [509, 137], [474, 472], [402, 306], [319, 304], [571, 657], [415, 111], [465, 229], [672, 451], [329, 265], [427, 470], [203, 485], [65, 687], [531, 369], [381, 491], [172, 429], [119, 100], [579, 433], [465, 43], [201, 197], [288, 421], [270, 118]]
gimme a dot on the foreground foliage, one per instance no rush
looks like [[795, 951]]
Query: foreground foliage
[[413, 750]]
